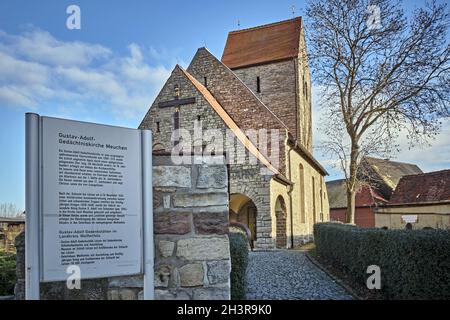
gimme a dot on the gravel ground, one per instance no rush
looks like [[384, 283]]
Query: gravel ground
[[289, 275]]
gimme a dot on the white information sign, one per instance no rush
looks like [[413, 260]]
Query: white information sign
[[410, 218], [91, 200], [88, 199]]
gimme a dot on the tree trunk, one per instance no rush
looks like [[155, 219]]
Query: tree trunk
[[350, 216], [352, 184]]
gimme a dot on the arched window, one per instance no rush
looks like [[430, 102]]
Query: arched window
[[306, 91], [301, 180], [321, 198], [313, 182]]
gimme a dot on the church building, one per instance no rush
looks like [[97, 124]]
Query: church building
[[259, 93]]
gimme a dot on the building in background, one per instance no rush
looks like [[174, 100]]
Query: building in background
[[381, 177], [367, 199], [419, 201], [262, 82], [10, 228]]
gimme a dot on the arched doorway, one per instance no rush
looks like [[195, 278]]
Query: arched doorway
[[243, 210], [280, 215]]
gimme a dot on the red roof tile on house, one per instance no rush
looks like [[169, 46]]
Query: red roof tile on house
[[425, 187], [267, 43]]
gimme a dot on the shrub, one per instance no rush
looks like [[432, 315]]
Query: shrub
[[239, 262], [7, 273], [414, 264]]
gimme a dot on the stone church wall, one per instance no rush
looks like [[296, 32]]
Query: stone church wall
[[277, 89], [192, 255], [248, 180], [245, 175]]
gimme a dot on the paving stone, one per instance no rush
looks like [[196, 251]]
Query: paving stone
[[289, 275]]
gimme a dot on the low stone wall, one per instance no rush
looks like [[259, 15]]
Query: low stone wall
[[192, 253]]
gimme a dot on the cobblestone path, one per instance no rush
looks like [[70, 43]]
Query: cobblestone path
[[289, 275]]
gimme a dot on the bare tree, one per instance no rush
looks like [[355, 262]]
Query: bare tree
[[381, 73], [9, 210]]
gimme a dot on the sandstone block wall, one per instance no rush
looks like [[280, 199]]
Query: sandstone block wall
[[192, 253]]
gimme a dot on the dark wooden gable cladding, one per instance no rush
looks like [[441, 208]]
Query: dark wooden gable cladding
[[176, 102]]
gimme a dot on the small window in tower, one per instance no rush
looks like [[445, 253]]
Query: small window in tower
[[258, 85], [205, 81], [306, 90], [157, 127], [199, 118]]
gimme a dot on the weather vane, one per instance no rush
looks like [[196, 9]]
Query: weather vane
[[293, 11]]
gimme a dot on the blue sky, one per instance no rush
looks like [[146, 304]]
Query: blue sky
[[110, 70]]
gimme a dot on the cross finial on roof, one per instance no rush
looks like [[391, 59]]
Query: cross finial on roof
[[293, 11], [239, 24]]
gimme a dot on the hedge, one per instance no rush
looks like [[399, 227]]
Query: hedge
[[7, 273], [239, 262], [414, 264]]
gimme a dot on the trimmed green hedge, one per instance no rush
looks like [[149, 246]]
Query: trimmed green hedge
[[414, 264], [7, 273], [239, 262]]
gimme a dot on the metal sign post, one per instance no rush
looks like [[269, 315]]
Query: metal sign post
[[147, 197], [32, 206]]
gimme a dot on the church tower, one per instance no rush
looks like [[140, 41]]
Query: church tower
[[271, 60]]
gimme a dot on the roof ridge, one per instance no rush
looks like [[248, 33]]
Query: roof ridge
[[388, 160], [265, 25], [426, 173], [336, 180]]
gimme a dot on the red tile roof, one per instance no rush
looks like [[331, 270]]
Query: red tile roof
[[267, 43], [425, 187]]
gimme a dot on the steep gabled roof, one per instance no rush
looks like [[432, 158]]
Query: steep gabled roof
[[272, 42], [365, 197], [391, 171], [425, 187], [337, 196], [231, 124]]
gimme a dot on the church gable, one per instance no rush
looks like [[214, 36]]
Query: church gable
[[183, 103], [177, 105]]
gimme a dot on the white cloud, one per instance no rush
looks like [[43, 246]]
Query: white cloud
[[37, 69], [40, 46], [11, 95]]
